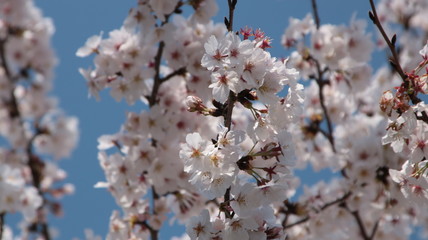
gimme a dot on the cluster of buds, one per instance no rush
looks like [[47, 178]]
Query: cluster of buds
[[407, 92], [195, 104], [258, 35]]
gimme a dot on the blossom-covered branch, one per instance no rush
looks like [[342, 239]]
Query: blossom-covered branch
[[31, 123]]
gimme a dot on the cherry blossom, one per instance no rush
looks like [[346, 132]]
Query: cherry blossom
[[228, 126]]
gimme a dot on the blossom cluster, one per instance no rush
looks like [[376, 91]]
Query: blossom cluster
[[227, 125], [344, 130], [260, 148], [32, 126], [156, 58]]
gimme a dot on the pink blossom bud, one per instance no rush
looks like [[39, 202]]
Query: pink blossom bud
[[193, 103], [387, 102]]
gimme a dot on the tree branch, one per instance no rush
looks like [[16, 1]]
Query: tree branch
[[153, 232], [315, 13], [320, 81], [395, 61], [157, 81], [303, 220], [391, 44], [229, 22], [157, 78], [375, 227], [319, 78], [230, 100], [2, 223], [361, 225], [232, 97], [177, 72], [152, 99], [13, 106], [339, 200], [325, 206], [35, 164]]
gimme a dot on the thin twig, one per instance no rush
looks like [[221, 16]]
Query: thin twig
[[325, 206], [303, 220], [375, 227], [327, 117], [339, 200], [395, 59], [2, 224], [361, 225], [3, 58], [315, 13], [13, 106], [319, 78], [320, 81], [375, 18], [177, 72]]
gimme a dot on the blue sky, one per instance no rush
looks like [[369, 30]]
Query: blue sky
[[77, 20]]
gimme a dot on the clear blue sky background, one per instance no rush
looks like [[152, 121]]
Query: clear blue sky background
[[77, 20]]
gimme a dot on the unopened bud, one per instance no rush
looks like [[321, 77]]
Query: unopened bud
[[386, 102], [194, 103]]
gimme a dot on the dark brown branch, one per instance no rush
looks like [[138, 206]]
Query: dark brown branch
[[156, 80], [339, 200], [35, 164], [327, 118], [303, 220], [315, 13], [424, 117], [361, 225], [13, 105], [45, 231], [152, 99], [323, 132], [229, 110], [230, 100], [178, 72], [3, 58], [2, 223], [229, 22], [395, 60], [325, 206], [232, 97], [153, 232], [375, 227], [321, 83]]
